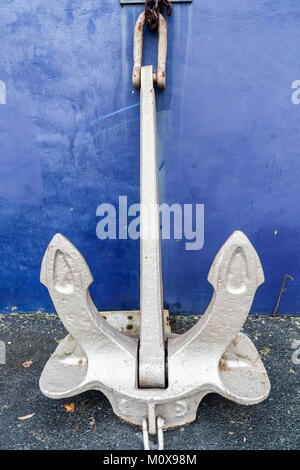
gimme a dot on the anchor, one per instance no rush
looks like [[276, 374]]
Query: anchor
[[155, 380]]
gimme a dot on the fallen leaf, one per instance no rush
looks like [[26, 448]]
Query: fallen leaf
[[21, 418], [27, 363], [69, 407]]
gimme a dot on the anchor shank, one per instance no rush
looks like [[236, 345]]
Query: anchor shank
[[152, 343]]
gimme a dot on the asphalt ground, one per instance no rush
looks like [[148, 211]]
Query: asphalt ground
[[220, 424]]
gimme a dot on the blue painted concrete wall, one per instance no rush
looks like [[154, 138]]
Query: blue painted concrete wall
[[228, 138]]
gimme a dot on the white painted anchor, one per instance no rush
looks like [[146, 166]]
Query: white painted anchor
[[156, 380]]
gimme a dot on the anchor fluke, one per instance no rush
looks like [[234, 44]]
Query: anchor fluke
[[236, 264], [63, 267]]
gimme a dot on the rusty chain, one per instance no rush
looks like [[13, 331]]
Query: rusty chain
[[152, 10]]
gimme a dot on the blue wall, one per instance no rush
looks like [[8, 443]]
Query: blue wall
[[228, 138]]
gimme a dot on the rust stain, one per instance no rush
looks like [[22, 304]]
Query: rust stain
[[223, 365]]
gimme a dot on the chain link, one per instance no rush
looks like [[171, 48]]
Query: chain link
[[152, 10]]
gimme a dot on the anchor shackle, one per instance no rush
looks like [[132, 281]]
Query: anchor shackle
[[160, 76]]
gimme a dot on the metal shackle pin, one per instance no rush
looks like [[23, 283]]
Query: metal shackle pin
[[160, 76]]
